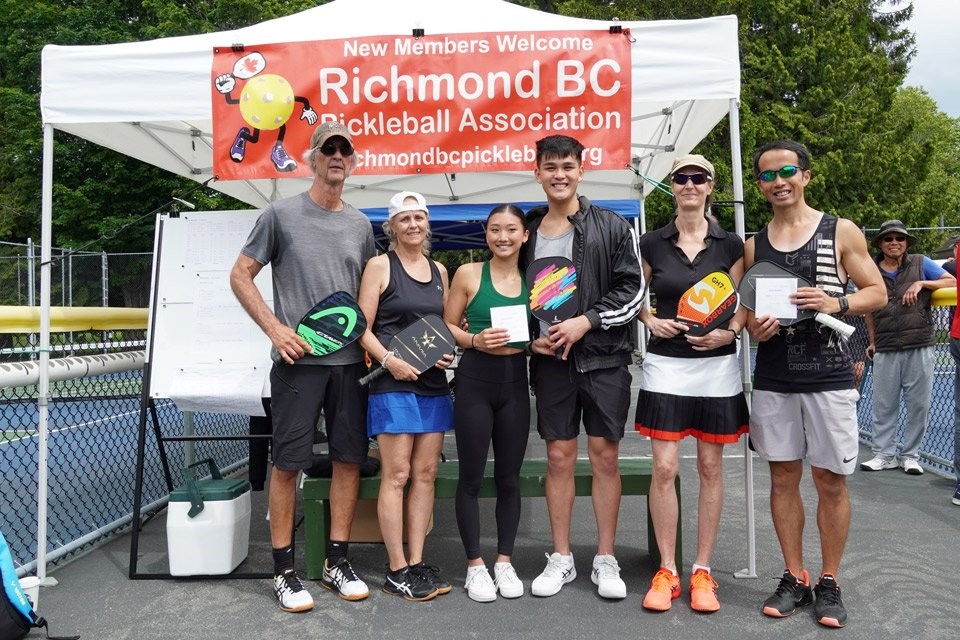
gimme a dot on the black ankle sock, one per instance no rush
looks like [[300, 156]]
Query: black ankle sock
[[336, 550], [282, 559]]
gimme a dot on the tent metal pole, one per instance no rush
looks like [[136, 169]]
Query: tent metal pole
[[43, 386], [642, 229], [736, 164]]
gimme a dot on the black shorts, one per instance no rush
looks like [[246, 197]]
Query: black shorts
[[298, 393], [601, 397]]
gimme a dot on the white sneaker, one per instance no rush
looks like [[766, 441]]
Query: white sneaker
[[911, 466], [879, 463], [558, 572], [290, 593], [480, 585], [342, 579], [606, 575], [505, 577]]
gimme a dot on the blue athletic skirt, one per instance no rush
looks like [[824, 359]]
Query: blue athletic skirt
[[406, 412]]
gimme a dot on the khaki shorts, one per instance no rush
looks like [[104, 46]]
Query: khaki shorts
[[820, 427]]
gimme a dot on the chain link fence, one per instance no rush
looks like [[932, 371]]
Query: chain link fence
[[93, 425], [77, 279]]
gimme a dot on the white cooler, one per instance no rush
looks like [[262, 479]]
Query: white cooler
[[208, 524]]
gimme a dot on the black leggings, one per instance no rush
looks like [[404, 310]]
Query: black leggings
[[492, 403]]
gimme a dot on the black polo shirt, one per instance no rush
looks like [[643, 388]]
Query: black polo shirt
[[672, 273]]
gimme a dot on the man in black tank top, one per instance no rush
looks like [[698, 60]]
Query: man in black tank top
[[804, 399]]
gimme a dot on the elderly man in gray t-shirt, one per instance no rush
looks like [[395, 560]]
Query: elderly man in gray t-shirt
[[316, 245]]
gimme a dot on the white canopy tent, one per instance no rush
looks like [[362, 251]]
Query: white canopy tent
[[152, 101]]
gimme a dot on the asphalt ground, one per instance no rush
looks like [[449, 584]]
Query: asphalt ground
[[898, 576]]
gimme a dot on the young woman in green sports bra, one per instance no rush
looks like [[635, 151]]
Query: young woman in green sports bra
[[492, 404]]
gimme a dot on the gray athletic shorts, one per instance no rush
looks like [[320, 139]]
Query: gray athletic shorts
[[298, 394], [821, 427], [563, 395]]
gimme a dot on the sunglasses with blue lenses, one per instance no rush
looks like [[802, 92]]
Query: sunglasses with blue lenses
[[784, 172], [696, 178], [330, 147]]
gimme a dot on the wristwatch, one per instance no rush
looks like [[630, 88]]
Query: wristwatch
[[844, 305]]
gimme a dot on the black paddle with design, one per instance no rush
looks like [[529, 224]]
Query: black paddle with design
[[552, 283], [420, 344]]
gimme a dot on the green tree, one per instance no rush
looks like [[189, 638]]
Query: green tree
[[96, 190], [823, 73]]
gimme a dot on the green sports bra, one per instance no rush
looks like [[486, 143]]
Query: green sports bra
[[478, 311]]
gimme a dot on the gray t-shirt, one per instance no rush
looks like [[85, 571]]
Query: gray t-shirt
[[313, 252]]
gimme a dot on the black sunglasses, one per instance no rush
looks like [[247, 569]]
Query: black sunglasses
[[330, 147], [893, 238], [784, 172], [696, 178]]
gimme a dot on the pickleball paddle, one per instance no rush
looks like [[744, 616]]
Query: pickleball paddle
[[552, 283], [766, 269], [420, 344], [333, 323], [708, 304]]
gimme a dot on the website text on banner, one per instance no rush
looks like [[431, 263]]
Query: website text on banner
[[433, 104]]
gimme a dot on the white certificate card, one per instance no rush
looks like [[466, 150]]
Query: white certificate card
[[773, 297], [513, 318]]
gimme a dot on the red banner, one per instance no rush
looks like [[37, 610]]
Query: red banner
[[437, 103]]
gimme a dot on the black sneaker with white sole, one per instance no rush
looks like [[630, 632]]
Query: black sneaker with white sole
[[431, 575], [409, 586]]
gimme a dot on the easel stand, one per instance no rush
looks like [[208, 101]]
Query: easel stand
[[148, 407]]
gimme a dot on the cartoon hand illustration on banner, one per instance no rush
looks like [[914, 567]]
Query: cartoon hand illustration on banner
[[225, 83], [266, 103], [309, 115]]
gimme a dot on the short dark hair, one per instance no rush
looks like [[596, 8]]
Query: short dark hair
[[803, 154], [559, 147]]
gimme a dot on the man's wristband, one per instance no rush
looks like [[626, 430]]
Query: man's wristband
[[473, 342], [736, 334], [844, 305], [383, 362]]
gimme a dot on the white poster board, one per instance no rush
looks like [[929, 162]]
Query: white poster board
[[206, 354]]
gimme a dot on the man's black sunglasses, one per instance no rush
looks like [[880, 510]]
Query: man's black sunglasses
[[330, 147]]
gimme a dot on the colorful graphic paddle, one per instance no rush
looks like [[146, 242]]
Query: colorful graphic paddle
[[708, 304], [552, 283], [420, 344], [332, 324], [768, 270]]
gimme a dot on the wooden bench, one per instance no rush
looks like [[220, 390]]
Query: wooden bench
[[635, 475]]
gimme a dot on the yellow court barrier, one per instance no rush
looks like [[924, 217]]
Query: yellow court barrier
[[946, 297], [27, 319]]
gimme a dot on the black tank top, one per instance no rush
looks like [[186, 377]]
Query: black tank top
[[805, 357], [406, 300]]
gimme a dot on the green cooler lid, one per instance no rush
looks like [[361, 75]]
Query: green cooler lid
[[213, 490]]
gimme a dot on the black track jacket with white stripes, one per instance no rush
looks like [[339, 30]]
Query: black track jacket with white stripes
[[609, 282]]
